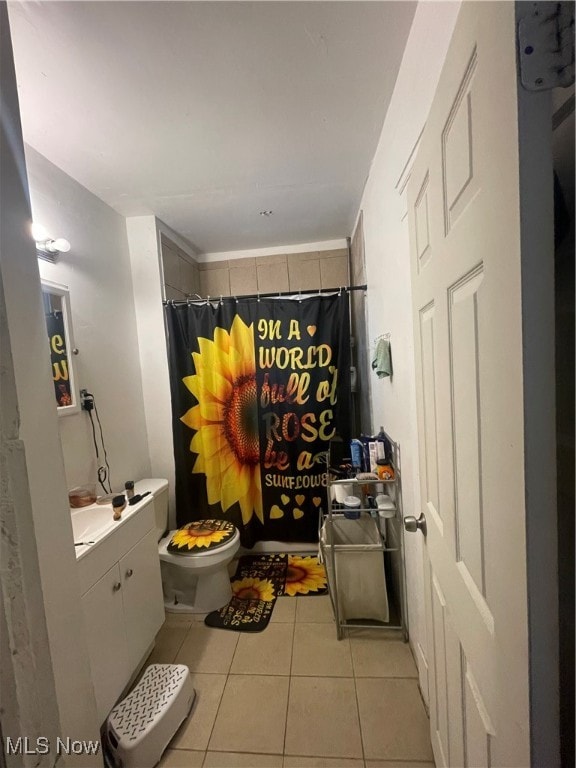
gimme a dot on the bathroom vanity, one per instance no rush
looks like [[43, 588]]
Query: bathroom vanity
[[119, 575]]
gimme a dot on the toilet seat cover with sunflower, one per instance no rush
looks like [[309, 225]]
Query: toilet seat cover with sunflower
[[201, 535]]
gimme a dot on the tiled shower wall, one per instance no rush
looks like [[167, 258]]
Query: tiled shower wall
[[264, 274]]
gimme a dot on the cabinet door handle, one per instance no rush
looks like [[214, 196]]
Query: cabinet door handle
[[116, 586], [129, 573]]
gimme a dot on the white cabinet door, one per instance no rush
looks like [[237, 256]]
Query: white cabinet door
[[104, 621], [142, 596]]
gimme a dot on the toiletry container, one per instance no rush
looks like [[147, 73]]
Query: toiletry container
[[340, 489], [386, 509], [352, 506]]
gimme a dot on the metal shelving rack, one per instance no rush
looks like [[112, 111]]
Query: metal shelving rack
[[329, 550]]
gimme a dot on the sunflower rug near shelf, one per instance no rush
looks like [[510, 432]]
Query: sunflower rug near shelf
[[305, 576], [258, 581]]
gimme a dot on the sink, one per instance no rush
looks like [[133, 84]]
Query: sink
[[94, 524]]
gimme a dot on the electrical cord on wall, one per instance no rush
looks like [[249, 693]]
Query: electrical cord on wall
[[89, 404]]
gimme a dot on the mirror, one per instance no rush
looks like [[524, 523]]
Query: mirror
[[56, 299]]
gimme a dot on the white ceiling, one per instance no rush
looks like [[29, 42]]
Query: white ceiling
[[206, 113]]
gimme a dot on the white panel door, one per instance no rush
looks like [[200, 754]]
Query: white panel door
[[464, 208]]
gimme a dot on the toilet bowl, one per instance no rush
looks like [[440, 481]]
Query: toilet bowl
[[197, 582], [194, 580]]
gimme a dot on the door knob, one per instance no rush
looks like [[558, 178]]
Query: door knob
[[116, 586], [411, 524], [129, 572]]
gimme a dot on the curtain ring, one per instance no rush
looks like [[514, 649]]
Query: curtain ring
[[236, 300], [299, 297], [221, 301], [258, 297], [340, 291]]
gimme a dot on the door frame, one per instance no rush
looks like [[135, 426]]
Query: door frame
[[538, 334]]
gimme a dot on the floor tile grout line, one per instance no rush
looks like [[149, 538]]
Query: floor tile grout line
[[396, 761], [386, 677], [181, 643], [357, 701], [329, 757], [289, 686], [235, 652], [244, 752], [215, 718], [343, 757], [220, 702], [359, 722]]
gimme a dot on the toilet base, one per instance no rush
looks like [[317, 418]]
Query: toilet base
[[179, 607], [197, 594]]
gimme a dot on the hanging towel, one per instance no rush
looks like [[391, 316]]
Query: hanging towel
[[382, 362]]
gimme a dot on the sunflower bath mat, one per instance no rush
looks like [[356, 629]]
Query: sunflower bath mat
[[258, 581], [305, 576]]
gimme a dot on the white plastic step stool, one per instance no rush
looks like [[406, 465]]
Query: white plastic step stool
[[140, 727]]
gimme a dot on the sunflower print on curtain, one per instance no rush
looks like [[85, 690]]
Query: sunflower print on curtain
[[226, 441]]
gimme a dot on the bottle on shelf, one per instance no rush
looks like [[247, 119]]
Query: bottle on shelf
[[357, 454], [383, 446]]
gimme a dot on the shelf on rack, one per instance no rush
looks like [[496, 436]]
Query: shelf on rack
[[355, 481]]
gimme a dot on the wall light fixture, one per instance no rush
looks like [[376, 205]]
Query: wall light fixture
[[48, 248]]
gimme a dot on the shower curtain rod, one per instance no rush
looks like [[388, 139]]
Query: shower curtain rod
[[272, 295]]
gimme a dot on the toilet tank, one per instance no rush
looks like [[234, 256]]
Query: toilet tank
[[159, 490]]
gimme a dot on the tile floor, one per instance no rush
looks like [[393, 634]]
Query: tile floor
[[294, 696]]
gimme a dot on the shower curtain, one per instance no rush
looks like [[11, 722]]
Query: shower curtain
[[259, 388]]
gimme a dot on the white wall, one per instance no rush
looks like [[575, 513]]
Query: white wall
[[388, 272], [144, 245], [98, 273], [164, 229], [44, 672]]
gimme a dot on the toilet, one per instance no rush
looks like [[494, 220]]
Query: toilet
[[196, 579]]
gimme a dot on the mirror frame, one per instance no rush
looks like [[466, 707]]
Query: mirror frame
[[56, 289]]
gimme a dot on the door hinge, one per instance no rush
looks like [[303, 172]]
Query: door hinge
[[546, 45]]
